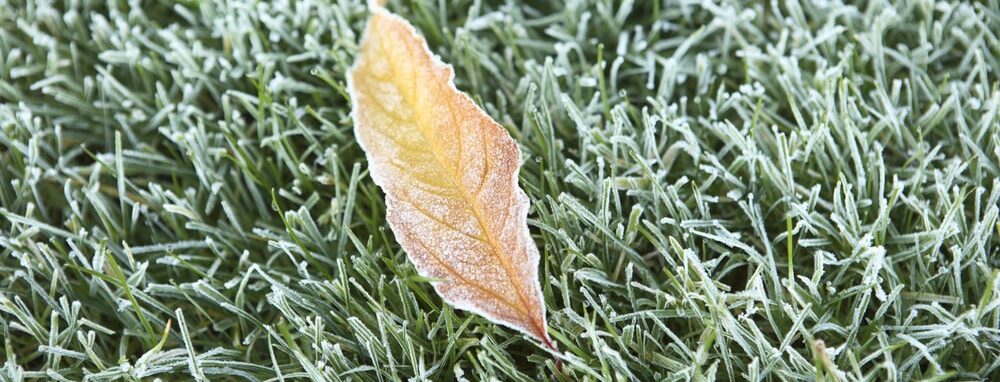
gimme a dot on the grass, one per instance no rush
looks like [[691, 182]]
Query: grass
[[794, 190]]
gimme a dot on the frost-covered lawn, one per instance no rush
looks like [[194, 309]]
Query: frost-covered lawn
[[787, 190]]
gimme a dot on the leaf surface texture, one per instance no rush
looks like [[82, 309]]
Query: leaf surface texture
[[449, 173]]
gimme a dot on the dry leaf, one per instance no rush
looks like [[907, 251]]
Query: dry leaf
[[449, 173]]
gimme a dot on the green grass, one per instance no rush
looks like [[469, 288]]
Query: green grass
[[790, 190]]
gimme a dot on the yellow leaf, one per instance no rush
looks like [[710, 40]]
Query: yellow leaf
[[449, 173]]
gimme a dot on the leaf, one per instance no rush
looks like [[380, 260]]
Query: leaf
[[449, 173]]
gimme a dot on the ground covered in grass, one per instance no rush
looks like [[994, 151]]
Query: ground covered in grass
[[785, 190]]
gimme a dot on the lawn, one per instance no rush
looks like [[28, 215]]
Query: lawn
[[739, 191]]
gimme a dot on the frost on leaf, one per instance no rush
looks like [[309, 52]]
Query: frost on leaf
[[449, 173]]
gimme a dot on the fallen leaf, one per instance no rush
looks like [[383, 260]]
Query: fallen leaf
[[449, 173]]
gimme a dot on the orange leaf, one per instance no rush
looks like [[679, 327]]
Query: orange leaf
[[449, 173]]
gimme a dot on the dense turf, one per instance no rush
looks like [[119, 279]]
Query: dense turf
[[789, 190]]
